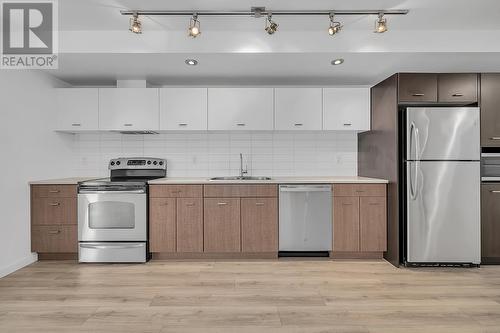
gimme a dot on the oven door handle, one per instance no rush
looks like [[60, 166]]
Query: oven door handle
[[108, 246], [83, 191]]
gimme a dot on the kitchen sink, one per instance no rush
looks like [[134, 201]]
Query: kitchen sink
[[240, 178]]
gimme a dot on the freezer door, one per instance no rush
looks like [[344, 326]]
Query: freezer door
[[443, 212], [443, 134]]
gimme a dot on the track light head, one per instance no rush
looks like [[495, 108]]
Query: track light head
[[380, 24], [335, 26], [271, 26], [135, 24], [194, 29]]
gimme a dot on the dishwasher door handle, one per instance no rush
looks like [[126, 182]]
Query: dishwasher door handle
[[308, 188]]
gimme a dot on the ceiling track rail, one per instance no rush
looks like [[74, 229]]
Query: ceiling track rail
[[261, 11]]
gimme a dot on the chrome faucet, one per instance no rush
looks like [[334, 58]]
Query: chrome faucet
[[242, 171]]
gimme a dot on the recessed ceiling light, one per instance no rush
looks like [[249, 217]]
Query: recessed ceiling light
[[191, 62], [338, 61]]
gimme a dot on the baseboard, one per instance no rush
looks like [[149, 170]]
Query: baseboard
[[28, 260], [356, 255], [213, 256]]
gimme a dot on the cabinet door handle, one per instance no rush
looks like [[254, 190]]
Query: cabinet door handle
[[374, 204], [190, 204], [259, 204], [127, 125], [240, 124], [175, 191], [76, 125], [298, 124], [55, 204], [346, 204], [347, 124], [359, 191], [495, 138], [222, 203], [457, 95], [495, 191], [54, 232], [164, 204], [418, 95], [54, 191], [183, 124]]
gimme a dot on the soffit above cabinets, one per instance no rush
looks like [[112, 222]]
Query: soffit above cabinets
[[213, 109]]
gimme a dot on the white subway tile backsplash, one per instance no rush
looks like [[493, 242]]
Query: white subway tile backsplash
[[217, 154]]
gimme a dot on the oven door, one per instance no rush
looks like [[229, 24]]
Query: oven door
[[112, 216]]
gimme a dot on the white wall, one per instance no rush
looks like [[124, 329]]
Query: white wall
[[29, 150], [217, 154]]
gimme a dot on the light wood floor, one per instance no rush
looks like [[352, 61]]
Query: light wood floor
[[249, 296]]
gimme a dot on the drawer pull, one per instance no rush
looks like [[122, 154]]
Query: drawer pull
[[190, 204], [55, 232], [222, 203], [346, 204], [54, 191], [55, 204], [298, 124], [457, 95], [76, 125], [164, 204], [348, 124], [240, 124], [127, 125], [183, 124], [175, 191], [495, 191], [495, 138], [359, 191], [259, 204], [374, 204], [418, 95]]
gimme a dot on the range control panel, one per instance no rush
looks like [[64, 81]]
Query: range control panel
[[137, 163]]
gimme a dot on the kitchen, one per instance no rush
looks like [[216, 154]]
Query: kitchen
[[280, 178]]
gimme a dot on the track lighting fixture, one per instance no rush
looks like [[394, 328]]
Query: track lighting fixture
[[135, 24], [271, 26], [380, 24], [194, 29], [335, 26]]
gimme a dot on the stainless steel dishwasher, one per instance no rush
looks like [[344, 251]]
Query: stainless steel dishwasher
[[305, 219]]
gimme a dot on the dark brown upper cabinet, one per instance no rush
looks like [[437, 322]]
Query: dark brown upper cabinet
[[457, 88], [490, 110], [418, 87], [423, 88]]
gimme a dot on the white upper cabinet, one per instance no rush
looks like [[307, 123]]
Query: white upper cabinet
[[240, 109], [128, 109], [183, 109], [346, 109], [298, 108], [77, 109]]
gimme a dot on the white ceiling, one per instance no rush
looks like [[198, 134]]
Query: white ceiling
[[437, 35]]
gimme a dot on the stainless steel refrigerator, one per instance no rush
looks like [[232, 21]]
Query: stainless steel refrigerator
[[442, 189]]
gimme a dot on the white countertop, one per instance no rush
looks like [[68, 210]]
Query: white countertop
[[275, 180], [62, 181], [203, 180]]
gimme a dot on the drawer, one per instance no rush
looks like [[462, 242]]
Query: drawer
[[112, 252], [54, 238], [231, 191], [54, 211], [359, 190], [54, 191], [175, 191]]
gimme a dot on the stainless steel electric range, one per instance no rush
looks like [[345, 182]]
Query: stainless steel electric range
[[113, 212]]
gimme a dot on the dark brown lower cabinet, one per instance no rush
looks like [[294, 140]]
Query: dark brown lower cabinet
[[190, 225], [490, 223], [259, 224], [359, 220], [54, 238], [162, 224], [54, 230], [222, 225]]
